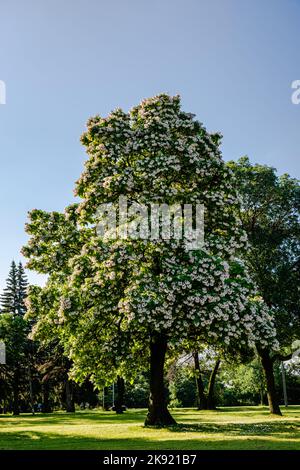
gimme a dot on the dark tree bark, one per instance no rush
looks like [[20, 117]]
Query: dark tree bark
[[262, 390], [70, 407], [205, 401], [105, 405], [262, 397], [5, 407], [30, 389], [201, 397], [46, 408], [16, 384], [267, 364], [211, 405], [158, 414], [119, 403]]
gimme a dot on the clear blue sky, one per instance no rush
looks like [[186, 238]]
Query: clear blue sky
[[232, 61]]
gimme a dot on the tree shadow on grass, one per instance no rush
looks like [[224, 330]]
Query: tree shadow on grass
[[48, 419], [237, 413], [31, 440], [242, 429]]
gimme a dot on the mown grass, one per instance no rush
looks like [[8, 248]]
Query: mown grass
[[227, 428]]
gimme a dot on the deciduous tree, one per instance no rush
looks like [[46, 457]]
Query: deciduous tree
[[270, 214], [116, 303]]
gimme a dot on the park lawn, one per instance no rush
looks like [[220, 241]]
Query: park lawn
[[228, 428]]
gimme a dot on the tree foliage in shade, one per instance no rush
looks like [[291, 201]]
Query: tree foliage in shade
[[117, 303], [270, 214], [13, 332]]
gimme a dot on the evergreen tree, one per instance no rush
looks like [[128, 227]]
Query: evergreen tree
[[22, 285], [13, 331], [12, 299], [9, 298]]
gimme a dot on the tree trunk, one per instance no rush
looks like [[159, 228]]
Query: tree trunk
[[262, 390], [30, 389], [70, 407], [158, 414], [119, 403], [211, 386], [261, 393], [5, 407], [201, 398], [46, 408], [267, 365], [105, 405], [15, 404]]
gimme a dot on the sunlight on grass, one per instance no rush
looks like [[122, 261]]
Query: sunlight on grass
[[227, 428]]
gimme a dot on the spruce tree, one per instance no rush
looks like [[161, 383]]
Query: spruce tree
[[22, 285], [9, 298], [12, 299]]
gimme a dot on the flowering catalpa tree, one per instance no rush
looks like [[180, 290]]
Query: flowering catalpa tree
[[115, 300]]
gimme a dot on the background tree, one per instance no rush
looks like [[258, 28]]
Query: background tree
[[54, 369], [237, 384], [270, 215], [13, 297], [13, 332], [10, 296], [242, 383], [206, 364], [137, 392], [206, 399], [22, 286], [182, 387]]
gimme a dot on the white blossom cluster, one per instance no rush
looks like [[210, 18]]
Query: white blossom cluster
[[158, 153]]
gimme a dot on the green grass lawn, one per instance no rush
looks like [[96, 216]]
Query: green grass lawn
[[227, 428]]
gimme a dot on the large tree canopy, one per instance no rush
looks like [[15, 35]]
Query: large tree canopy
[[111, 301]]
